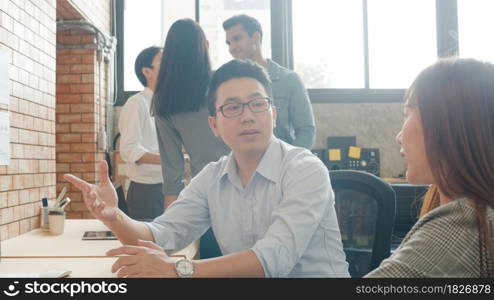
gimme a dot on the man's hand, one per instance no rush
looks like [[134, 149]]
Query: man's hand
[[144, 260], [101, 199]]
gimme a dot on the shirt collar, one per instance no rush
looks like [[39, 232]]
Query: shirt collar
[[269, 166], [273, 70]]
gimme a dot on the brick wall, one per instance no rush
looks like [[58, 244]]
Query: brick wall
[[28, 35], [80, 100], [80, 113]]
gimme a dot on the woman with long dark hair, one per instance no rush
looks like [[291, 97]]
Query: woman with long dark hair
[[180, 107], [447, 141]]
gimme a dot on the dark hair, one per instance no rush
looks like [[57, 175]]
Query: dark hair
[[185, 70], [250, 24], [455, 100], [145, 60], [236, 68]]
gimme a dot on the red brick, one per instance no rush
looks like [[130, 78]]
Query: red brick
[[63, 128], [68, 39], [89, 137], [63, 89], [88, 78], [68, 78], [82, 69], [69, 98], [82, 51], [83, 147], [86, 88], [88, 118], [68, 118], [89, 59], [63, 69], [63, 167], [86, 127], [69, 157], [69, 138], [89, 157], [82, 108], [69, 59]]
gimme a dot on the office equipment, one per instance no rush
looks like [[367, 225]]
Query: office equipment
[[337, 151], [365, 206], [60, 197], [99, 235], [44, 215], [364, 159], [64, 203]]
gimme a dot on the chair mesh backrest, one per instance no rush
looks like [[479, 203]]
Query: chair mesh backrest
[[365, 206]]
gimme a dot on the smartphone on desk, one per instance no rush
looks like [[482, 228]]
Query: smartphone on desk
[[99, 235]]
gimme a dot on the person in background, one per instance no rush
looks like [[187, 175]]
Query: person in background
[[270, 203], [180, 109], [295, 123], [139, 142], [447, 141], [181, 113]]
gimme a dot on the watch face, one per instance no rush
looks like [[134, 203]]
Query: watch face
[[185, 267]]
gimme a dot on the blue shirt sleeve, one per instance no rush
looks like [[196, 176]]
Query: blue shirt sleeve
[[187, 218]]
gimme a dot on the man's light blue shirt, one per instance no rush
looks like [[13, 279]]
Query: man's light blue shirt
[[285, 213]]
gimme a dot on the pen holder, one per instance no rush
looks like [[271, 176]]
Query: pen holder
[[56, 220], [44, 219]]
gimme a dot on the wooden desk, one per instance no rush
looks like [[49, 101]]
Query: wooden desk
[[70, 243]]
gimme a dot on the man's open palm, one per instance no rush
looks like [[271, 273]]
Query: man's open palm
[[101, 199]]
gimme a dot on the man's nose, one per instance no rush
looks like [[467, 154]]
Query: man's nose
[[247, 114]]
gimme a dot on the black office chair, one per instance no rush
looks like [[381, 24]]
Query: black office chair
[[365, 206]]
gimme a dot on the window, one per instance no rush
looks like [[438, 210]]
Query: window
[[344, 50], [328, 43], [212, 14], [402, 41], [146, 25], [475, 23], [329, 48]]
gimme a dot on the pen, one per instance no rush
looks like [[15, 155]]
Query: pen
[[64, 202], [60, 197]]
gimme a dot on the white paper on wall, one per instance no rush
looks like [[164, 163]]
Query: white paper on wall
[[4, 138], [4, 78]]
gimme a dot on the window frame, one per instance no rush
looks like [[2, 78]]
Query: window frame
[[282, 51]]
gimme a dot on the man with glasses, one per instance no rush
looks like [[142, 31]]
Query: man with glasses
[[270, 204], [295, 119], [139, 141]]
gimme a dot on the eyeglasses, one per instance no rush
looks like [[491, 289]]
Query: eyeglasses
[[257, 105]]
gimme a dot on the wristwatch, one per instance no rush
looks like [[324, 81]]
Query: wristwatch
[[184, 268]]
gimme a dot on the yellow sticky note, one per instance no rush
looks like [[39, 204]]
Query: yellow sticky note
[[334, 154], [354, 152]]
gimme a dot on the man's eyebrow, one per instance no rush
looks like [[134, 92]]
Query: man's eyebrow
[[256, 94], [231, 99]]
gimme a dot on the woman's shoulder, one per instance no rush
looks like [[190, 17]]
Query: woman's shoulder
[[458, 213]]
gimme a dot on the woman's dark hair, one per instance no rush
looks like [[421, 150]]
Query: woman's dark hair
[[185, 70], [145, 60], [236, 68], [455, 100]]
